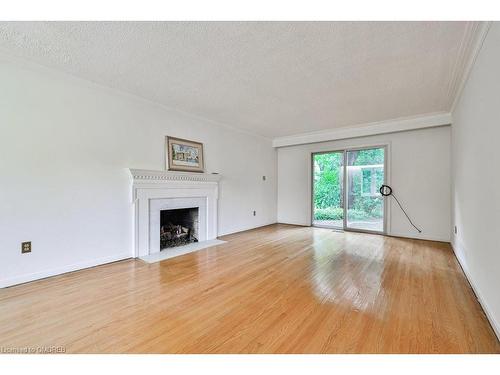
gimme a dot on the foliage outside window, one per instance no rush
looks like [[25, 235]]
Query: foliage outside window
[[365, 201]]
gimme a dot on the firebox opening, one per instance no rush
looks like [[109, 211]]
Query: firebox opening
[[178, 227]]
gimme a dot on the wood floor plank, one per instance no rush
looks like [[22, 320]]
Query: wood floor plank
[[276, 289]]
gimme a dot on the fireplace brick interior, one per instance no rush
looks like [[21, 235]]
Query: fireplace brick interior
[[178, 227]]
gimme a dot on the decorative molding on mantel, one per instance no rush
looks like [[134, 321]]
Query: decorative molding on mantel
[[145, 175], [374, 128]]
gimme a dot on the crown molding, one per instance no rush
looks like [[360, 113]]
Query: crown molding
[[373, 128], [472, 41]]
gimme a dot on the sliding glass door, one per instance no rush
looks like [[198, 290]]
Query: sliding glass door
[[365, 175], [346, 189], [328, 189]]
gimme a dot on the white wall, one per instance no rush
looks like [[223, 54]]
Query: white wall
[[419, 172], [476, 176], [65, 146]]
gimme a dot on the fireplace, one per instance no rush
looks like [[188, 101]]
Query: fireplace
[[192, 197], [178, 227]]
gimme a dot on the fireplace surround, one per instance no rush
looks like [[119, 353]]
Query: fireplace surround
[[157, 191]]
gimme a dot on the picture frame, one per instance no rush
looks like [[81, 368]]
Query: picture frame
[[184, 155]]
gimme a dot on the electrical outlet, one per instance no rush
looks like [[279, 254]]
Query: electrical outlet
[[263, 178], [254, 213], [26, 247]]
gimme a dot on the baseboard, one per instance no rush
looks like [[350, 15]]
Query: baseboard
[[494, 324], [65, 269], [248, 228], [426, 238], [295, 223]]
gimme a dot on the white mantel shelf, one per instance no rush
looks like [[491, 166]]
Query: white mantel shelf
[[145, 175]]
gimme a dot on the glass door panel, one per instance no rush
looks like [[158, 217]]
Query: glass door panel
[[328, 195], [364, 176]]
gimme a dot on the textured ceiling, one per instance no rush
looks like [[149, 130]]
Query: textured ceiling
[[269, 78]]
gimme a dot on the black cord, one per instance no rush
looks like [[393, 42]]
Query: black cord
[[402, 209], [386, 191]]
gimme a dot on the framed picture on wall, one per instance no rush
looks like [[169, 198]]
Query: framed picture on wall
[[184, 155]]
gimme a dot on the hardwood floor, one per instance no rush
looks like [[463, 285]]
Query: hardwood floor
[[277, 289]]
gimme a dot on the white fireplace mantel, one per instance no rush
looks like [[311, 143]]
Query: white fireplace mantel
[[154, 190]]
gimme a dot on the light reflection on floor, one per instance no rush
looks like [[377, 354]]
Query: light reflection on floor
[[376, 225], [347, 274]]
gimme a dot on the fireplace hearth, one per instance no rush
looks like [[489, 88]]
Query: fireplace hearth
[[178, 227]]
